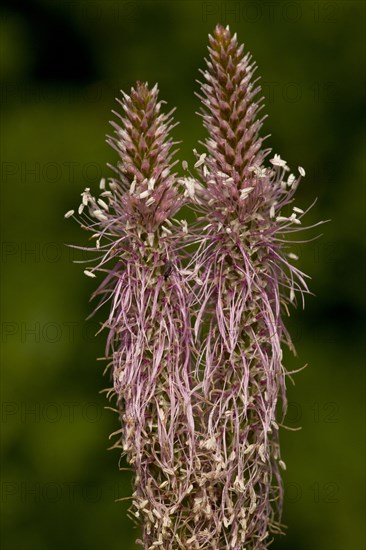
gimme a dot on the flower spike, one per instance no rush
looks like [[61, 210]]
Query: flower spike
[[149, 328], [245, 281]]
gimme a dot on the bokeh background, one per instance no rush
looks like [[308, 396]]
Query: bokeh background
[[62, 65]]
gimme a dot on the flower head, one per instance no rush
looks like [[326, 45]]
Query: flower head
[[245, 279], [149, 328]]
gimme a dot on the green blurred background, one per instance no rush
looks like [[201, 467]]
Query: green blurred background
[[62, 64]]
